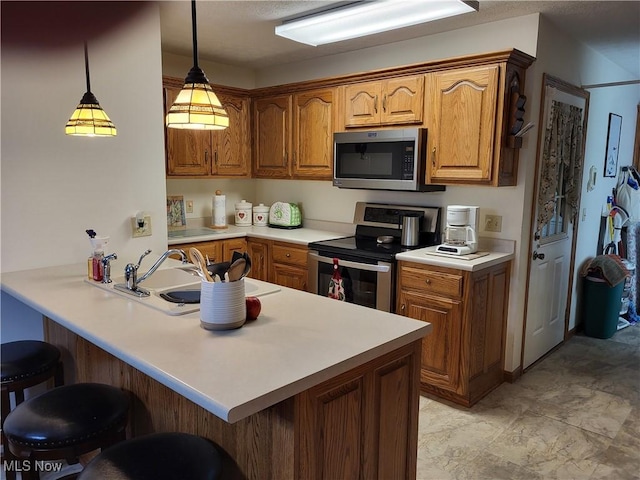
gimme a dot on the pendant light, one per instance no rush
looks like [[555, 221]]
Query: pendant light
[[197, 107], [89, 120]]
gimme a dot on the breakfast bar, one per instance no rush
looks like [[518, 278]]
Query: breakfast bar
[[314, 388]]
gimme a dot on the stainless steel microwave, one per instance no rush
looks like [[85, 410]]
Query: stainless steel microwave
[[392, 159]]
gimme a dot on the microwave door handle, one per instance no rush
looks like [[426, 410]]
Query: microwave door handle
[[346, 263]]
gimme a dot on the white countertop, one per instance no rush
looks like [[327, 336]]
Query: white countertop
[[298, 341], [302, 236], [494, 251]]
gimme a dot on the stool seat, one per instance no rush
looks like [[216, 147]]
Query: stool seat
[[26, 358], [67, 416], [159, 456]]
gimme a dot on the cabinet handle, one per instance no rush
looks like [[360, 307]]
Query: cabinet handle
[[215, 157], [433, 157], [402, 307], [375, 104], [206, 157], [384, 103]]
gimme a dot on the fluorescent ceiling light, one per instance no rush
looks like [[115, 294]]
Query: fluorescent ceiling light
[[368, 17]]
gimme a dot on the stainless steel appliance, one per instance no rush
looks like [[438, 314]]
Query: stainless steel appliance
[[392, 159], [366, 261], [460, 237]]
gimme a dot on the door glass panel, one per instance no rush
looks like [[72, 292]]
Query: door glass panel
[[360, 286]]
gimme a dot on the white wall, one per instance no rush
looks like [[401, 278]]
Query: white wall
[[218, 73], [54, 186]]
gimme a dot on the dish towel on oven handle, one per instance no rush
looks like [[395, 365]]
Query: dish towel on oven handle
[[336, 286]]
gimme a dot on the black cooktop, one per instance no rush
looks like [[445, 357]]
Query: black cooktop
[[365, 248]]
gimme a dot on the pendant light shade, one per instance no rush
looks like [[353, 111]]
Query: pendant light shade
[[89, 119], [197, 107]]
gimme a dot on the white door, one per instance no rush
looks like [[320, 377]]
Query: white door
[[556, 203]]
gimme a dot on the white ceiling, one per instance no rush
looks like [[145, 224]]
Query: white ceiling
[[241, 32]]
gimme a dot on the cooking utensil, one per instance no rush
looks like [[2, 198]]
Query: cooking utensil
[[198, 259], [236, 270]]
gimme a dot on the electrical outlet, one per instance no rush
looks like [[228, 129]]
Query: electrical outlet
[[493, 223], [189, 206], [143, 231]]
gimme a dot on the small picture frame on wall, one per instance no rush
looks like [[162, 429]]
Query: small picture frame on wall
[[176, 217], [613, 144]]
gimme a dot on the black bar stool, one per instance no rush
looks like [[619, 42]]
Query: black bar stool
[[159, 456], [66, 422], [25, 364]]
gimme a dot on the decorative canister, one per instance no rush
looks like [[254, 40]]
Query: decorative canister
[[261, 215], [243, 214]]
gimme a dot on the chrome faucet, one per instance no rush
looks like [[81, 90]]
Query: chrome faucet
[[132, 282]]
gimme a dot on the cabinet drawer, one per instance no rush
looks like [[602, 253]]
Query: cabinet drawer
[[430, 281], [282, 253]]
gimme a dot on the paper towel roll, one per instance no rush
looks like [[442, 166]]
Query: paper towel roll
[[219, 211]]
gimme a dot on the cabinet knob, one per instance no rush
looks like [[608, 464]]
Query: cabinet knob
[[427, 281], [287, 255], [375, 104]]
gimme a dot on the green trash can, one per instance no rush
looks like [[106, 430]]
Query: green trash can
[[601, 307]]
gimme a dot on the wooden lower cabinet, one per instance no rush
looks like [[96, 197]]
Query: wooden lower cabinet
[[362, 424], [218, 250], [463, 357], [258, 251], [289, 265]]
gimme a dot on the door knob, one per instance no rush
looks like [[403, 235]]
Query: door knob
[[537, 255]]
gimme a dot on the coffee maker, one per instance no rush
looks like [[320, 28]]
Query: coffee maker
[[460, 235]]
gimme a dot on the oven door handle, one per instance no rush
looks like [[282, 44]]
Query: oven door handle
[[347, 263]]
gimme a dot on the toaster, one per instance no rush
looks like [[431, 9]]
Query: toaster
[[285, 215]]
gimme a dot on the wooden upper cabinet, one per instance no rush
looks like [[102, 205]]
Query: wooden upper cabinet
[[313, 127], [463, 105], [293, 135], [232, 146], [188, 152], [272, 136], [207, 153], [395, 101]]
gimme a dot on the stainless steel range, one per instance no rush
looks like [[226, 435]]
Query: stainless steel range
[[366, 262]]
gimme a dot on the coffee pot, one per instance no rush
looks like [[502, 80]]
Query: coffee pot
[[460, 232]]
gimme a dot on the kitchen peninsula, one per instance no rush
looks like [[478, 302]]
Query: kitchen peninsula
[[314, 388]]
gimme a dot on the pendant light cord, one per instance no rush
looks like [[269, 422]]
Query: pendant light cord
[[86, 66], [195, 33]]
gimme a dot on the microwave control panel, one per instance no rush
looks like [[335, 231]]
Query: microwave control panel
[[408, 163]]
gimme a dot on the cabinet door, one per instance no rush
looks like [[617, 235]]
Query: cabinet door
[[259, 253], [403, 100], [188, 152], [362, 104], [442, 348], [272, 134], [463, 106], [289, 276], [213, 250], [232, 153], [233, 245], [313, 134]]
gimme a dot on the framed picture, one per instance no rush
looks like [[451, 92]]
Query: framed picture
[[613, 143], [176, 217]]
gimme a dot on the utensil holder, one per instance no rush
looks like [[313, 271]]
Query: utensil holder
[[222, 305]]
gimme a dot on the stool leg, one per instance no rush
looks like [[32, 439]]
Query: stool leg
[[7, 456]]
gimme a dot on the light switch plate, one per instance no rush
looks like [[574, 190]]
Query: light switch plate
[[143, 231], [189, 206]]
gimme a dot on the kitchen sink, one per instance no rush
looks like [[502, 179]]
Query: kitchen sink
[[169, 280]]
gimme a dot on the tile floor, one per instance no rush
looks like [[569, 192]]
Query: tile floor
[[575, 415]]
